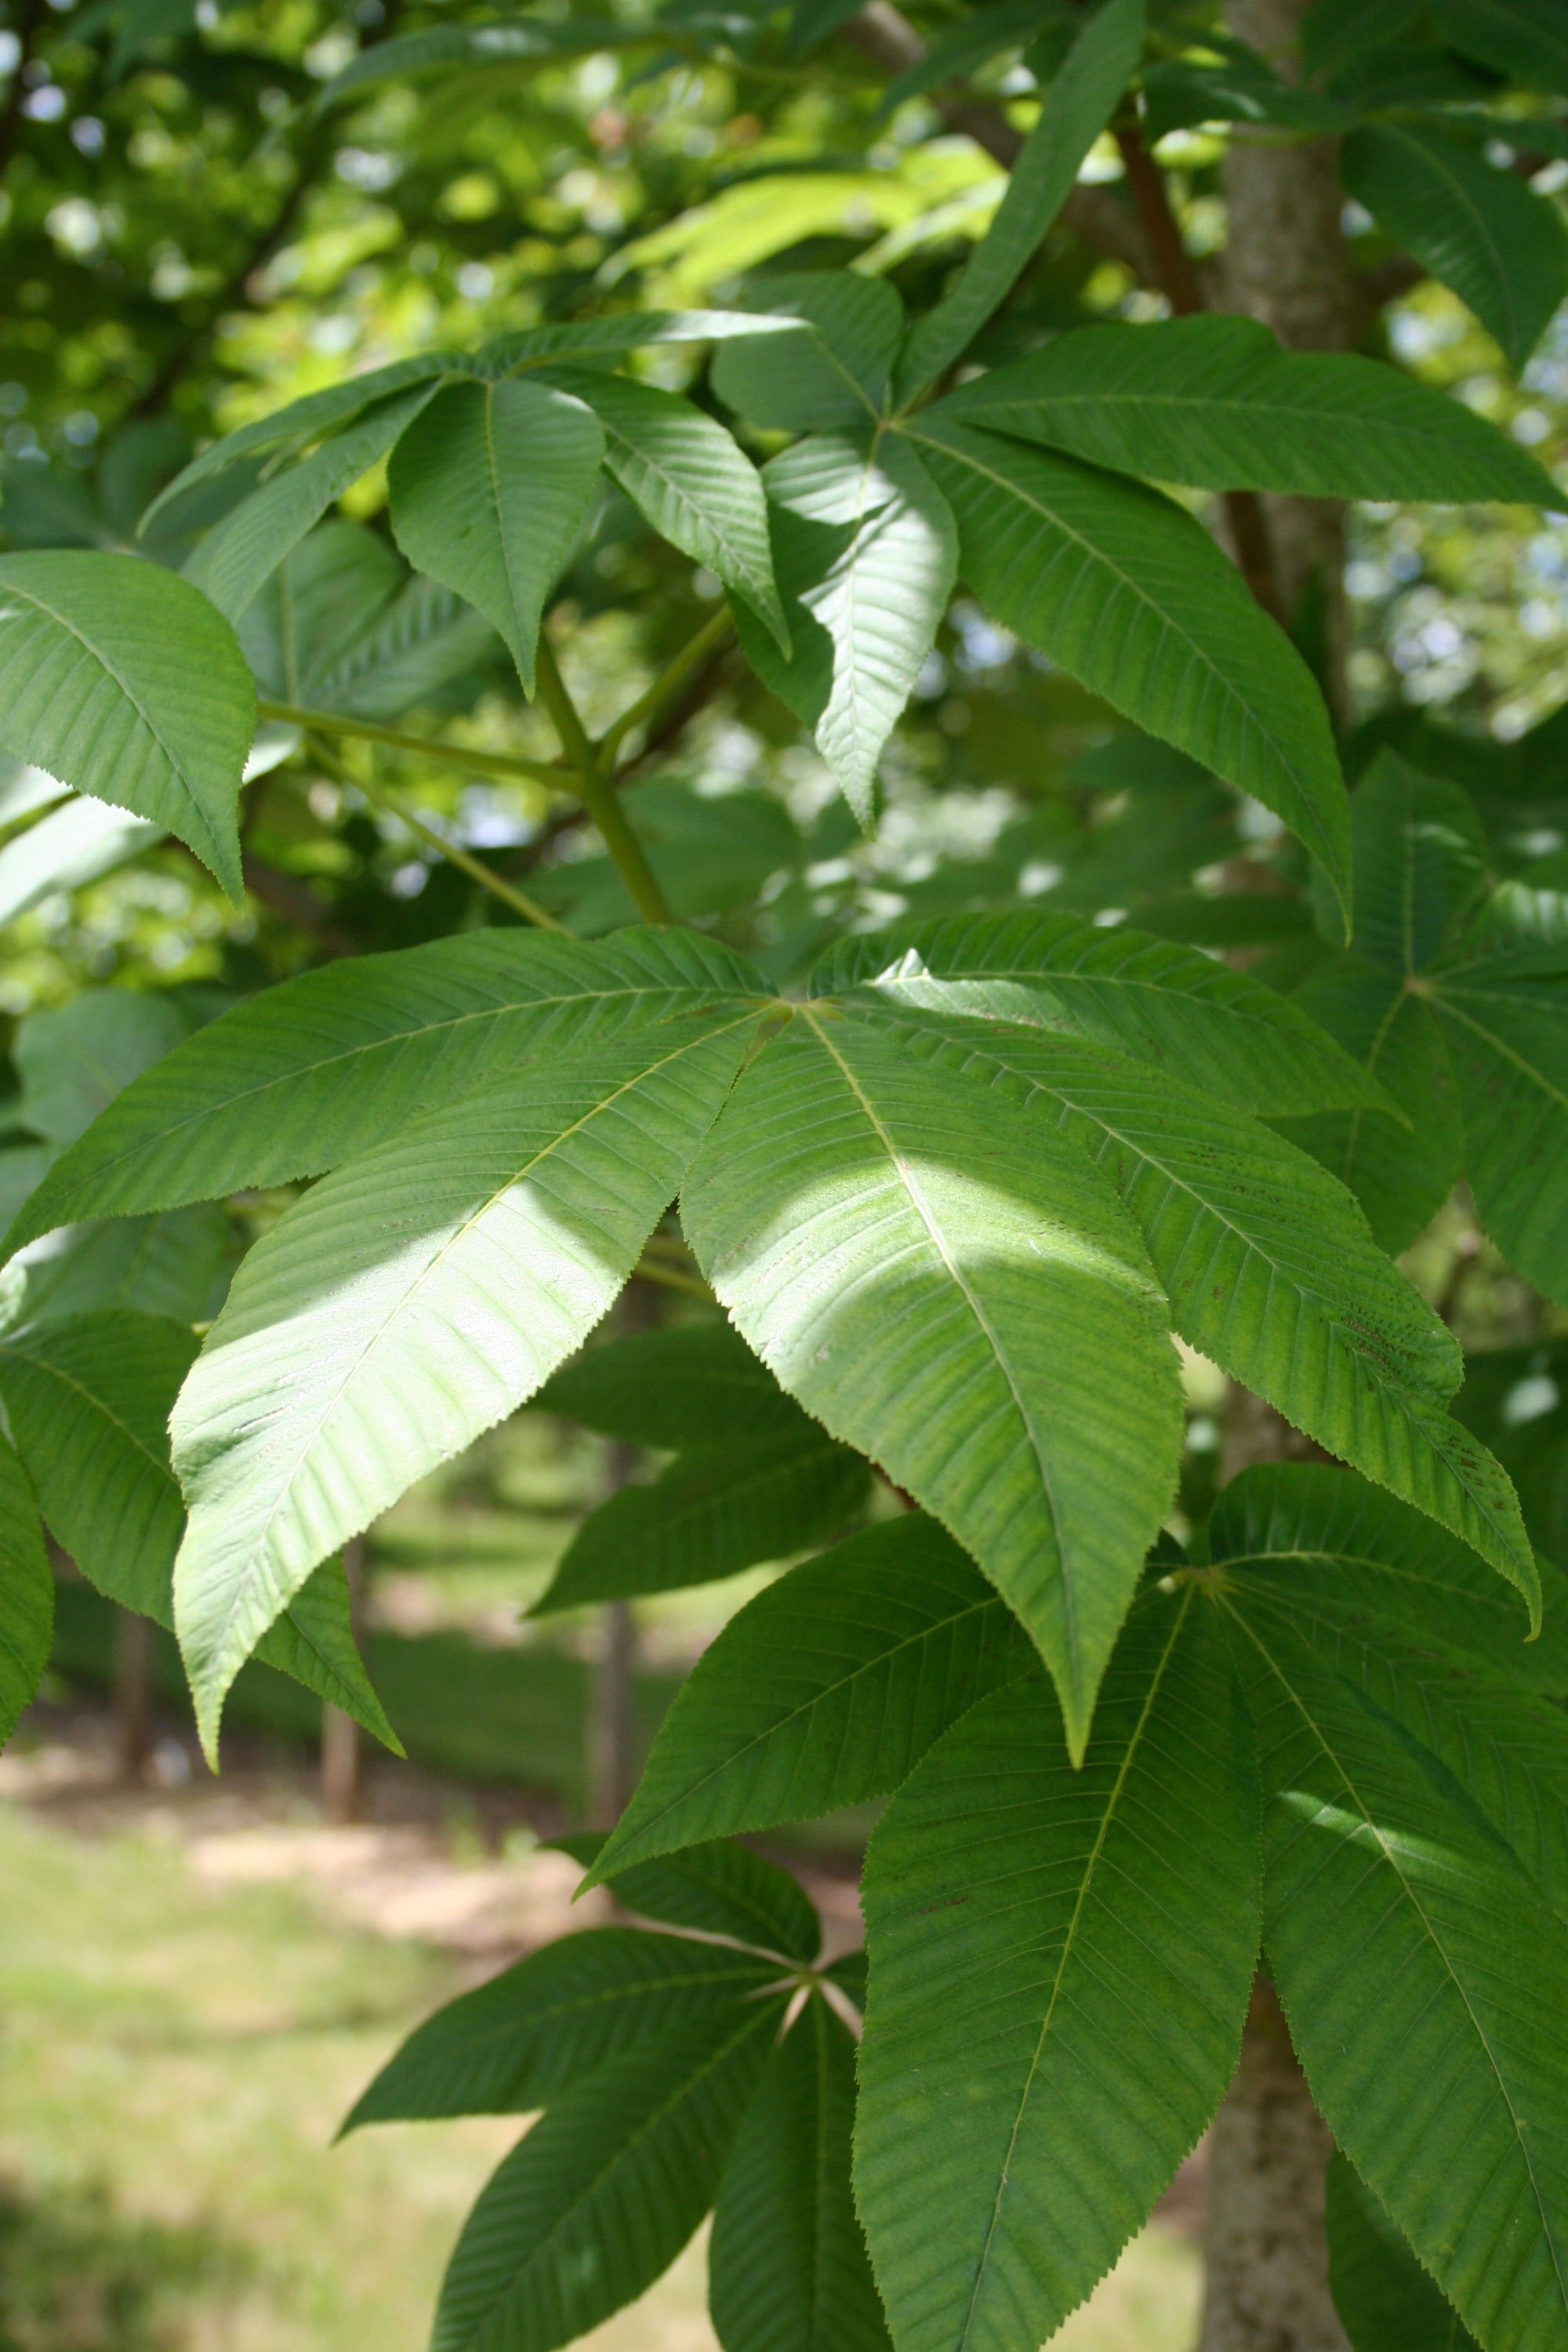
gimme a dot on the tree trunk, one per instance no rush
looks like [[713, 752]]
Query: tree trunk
[[1267, 2283], [1286, 263], [611, 1761], [133, 1694]]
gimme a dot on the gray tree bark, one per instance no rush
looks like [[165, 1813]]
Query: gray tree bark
[[1286, 264], [1268, 2279]]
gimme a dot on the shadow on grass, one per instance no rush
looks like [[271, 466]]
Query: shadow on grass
[[76, 2275]]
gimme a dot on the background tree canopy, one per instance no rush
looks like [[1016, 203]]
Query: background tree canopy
[[894, 683]]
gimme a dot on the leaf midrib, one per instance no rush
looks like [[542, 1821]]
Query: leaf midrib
[[702, 1000], [905, 1176], [242, 1574], [1167, 621], [883, 1659], [1080, 1900], [1390, 1857], [95, 653]]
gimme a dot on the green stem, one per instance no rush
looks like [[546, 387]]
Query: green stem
[[445, 755], [474, 867], [597, 794], [690, 658]]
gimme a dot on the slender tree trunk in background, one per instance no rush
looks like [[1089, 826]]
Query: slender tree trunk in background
[[1268, 2283], [1286, 264], [132, 1695], [340, 1732], [611, 1759]]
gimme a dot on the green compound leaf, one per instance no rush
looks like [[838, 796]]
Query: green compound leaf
[[301, 421], [604, 2191], [123, 682], [824, 1691], [1163, 1004], [410, 1301], [719, 1508], [1078, 102], [1386, 2301], [1130, 594], [88, 1400], [719, 1888], [866, 555], [959, 1295], [1033, 1929], [1308, 1525], [1269, 1269], [832, 379], [1215, 402], [26, 1594], [548, 2021], [1421, 1975], [686, 477], [239, 554], [488, 490], [1498, 247], [1503, 1026], [682, 1386], [327, 1065], [787, 2266]]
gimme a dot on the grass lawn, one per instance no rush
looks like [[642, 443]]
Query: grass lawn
[[174, 2059]]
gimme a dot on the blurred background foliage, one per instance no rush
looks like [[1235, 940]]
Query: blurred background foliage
[[202, 215]]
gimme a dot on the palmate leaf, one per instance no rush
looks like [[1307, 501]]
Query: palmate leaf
[[26, 1594], [89, 1402], [176, 1265], [866, 554], [547, 2022], [298, 424], [121, 681], [410, 1301], [424, 640], [1358, 1556], [1497, 245], [488, 490], [834, 379], [1078, 102], [1163, 1004], [719, 1508], [326, 592], [1386, 2301], [1032, 1931], [74, 1058], [787, 2266], [604, 2191], [1420, 1976], [1502, 1020], [685, 1385], [1213, 401], [1420, 863], [1130, 594], [719, 1888], [329, 1065], [1269, 1268], [824, 1691], [961, 1297], [234, 559], [686, 475]]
